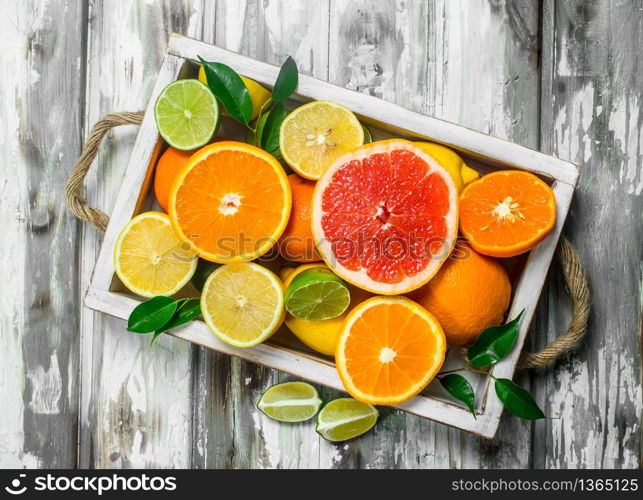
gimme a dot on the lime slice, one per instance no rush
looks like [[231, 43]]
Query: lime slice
[[317, 294], [187, 114], [345, 418], [290, 402]]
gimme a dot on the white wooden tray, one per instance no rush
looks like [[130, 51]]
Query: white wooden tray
[[384, 119]]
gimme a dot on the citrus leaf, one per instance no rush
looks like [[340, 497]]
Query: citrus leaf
[[286, 81], [460, 388], [268, 135], [494, 343], [517, 400], [228, 87], [151, 314], [187, 311]]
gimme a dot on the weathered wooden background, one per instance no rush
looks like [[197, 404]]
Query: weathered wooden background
[[78, 390]]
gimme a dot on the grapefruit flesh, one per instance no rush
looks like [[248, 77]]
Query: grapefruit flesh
[[385, 216]]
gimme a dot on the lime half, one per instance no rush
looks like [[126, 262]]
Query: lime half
[[317, 294], [187, 114], [345, 418], [290, 402]]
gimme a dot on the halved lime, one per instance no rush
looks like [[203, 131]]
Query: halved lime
[[187, 114], [290, 402], [345, 418], [317, 294]]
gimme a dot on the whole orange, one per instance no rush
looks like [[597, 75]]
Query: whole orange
[[167, 168], [297, 242], [469, 293]]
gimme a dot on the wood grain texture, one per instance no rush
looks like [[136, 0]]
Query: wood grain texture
[[591, 115], [136, 401], [562, 76], [42, 81]]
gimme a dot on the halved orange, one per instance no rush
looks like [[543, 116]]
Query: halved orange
[[507, 213], [389, 349], [230, 202]]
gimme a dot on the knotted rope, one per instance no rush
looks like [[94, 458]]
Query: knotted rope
[[74, 188]]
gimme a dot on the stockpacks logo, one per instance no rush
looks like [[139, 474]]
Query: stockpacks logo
[[16, 487]]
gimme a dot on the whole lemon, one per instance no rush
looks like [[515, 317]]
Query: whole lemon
[[321, 336], [469, 293], [451, 161], [258, 94]]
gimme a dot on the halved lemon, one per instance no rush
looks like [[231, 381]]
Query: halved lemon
[[243, 304], [150, 259], [314, 135], [388, 350]]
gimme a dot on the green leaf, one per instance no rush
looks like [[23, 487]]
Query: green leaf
[[268, 135], [228, 87], [187, 311], [517, 400], [252, 136], [287, 80], [460, 388], [494, 343], [151, 314]]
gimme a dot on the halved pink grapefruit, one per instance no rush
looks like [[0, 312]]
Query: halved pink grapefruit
[[385, 216]]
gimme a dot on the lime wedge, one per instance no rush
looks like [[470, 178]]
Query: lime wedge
[[187, 114], [345, 418], [317, 294], [367, 134], [290, 402]]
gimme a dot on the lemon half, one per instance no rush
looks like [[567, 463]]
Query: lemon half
[[149, 258], [243, 304]]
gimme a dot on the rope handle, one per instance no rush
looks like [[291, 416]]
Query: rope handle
[[573, 271], [74, 187]]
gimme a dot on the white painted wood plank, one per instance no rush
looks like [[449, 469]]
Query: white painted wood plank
[[591, 115], [41, 86], [136, 406]]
